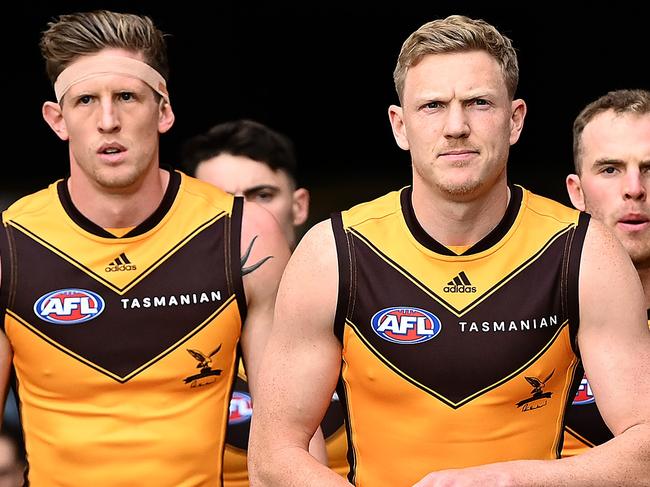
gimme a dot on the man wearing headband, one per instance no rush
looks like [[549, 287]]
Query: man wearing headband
[[128, 290]]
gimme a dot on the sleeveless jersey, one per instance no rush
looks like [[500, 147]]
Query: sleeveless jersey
[[235, 466], [124, 348], [450, 360], [585, 427]]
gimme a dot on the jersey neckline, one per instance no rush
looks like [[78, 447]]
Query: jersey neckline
[[150, 222], [491, 239]]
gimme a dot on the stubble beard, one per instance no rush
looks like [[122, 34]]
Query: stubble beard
[[116, 178]]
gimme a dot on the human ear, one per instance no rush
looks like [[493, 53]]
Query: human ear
[[53, 115], [574, 188]]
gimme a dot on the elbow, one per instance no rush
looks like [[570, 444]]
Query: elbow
[[259, 462]]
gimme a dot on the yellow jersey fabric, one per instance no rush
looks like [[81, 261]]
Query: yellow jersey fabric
[[585, 427], [235, 465], [451, 360], [124, 348]]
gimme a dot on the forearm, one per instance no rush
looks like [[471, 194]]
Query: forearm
[[289, 467], [624, 460]]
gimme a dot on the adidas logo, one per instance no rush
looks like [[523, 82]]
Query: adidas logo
[[121, 263], [460, 284]]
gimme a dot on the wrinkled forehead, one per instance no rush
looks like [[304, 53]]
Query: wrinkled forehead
[[102, 65]]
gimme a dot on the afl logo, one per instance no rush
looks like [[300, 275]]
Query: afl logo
[[69, 306], [241, 408], [406, 325], [584, 394]]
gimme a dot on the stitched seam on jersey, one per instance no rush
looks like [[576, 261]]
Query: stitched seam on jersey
[[353, 277], [564, 280], [13, 269], [227, 256]]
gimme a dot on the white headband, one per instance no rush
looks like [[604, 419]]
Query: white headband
[[102, 65]]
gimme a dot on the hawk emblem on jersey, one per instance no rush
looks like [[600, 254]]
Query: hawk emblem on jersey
[[204, 377], [538, 398]]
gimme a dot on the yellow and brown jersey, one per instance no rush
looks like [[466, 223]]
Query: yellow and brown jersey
[[585, 427], [124, 348], [455, 360], [235, 465]]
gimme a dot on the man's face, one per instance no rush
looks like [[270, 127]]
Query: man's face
[[615, 179], [457, 121], [112, 123], [257, 182]]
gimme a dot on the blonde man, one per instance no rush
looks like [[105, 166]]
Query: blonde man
[[452, 314]]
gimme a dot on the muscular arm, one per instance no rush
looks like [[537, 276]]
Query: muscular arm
[[615, 347], [265, 253], [6, 355], [299, 370]]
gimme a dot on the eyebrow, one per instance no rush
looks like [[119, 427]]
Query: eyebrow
[[607, 162], [260, 187]]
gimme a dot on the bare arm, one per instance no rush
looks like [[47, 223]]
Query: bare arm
[[6, 355], [299, 370], [265, 253], [615, 346]]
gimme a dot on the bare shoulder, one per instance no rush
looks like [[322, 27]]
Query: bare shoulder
[[264, 251], [256, 220], [317, 246], [610, 289], [309, 288], [602, 252]]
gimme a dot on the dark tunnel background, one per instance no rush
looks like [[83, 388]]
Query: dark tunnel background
[[322, 74]]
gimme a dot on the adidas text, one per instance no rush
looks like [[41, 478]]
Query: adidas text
[[459, 289], [116, 268]]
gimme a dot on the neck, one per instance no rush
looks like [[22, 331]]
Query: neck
[[119, 207], [460, 223]]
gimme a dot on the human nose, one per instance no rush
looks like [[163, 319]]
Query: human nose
[[635, 186], [456, 124], [109, 118]]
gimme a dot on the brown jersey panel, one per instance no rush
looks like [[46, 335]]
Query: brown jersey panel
[[462, 354], [124, 331]]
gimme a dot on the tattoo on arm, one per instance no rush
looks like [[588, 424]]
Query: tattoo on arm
[[251, 268]]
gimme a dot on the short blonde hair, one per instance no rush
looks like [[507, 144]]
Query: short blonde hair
[[457, 33]]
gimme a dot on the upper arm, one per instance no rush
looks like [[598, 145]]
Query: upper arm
[[303, 358], [268, 252], [6, 354], [613, 337]]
